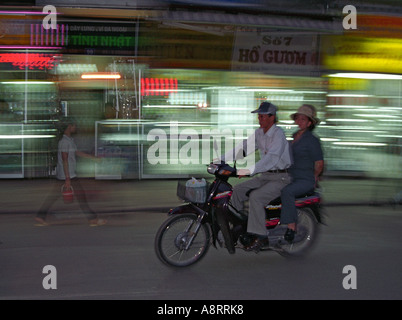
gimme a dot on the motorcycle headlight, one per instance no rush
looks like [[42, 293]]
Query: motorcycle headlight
[[212, 168]]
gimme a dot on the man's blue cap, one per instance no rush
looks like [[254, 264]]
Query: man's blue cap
[[266, 108]]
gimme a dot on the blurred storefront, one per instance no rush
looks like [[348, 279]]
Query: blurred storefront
[[364, 106], [152, 90]]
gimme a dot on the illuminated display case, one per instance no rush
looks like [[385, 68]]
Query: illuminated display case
[[11, 151], [28, 134], [27, 150], [117, 142]]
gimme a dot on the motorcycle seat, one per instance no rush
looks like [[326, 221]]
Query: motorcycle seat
[[277, 201]]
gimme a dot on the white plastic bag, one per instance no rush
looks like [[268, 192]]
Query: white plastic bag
[[196, 190], [193, 182]]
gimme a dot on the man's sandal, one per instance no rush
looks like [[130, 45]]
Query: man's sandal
[[40, 222], [97, 222]]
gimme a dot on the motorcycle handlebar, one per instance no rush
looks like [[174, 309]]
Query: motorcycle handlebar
[[223, 169]]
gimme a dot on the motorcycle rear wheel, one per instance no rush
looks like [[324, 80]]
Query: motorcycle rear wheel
[[306, 236], [173, 237]]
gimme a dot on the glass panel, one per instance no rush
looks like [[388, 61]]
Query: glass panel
[[11, 146]]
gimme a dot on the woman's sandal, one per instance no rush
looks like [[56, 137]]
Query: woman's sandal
[[289, 235]]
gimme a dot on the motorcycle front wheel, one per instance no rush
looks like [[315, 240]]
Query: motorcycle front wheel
[[182, 241]]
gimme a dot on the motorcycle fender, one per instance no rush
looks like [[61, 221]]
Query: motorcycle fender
[[318, 213]]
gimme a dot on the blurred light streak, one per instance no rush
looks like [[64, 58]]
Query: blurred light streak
[[267, 90], [368, 76], [229, 109], [27, 82], [349, 107], [357, 143], [358, 131], [26, 136], [388, 136], [167, 106], [101, 76], [25, 12], [375, 115], [349, 120], [329, 139], [354, 95], [29, 47]]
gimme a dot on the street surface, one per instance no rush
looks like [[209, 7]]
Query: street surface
[[118, 261]]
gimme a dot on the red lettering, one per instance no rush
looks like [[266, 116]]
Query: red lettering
[[146, 86], [152, 86], [142, 87], [30, 60], [158, 87]]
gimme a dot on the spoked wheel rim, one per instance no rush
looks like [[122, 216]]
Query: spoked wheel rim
[[172, 241]]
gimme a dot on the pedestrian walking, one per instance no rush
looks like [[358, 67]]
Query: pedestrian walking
[[66, 176]]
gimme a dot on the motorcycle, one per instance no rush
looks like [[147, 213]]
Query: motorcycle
[[207, 217]]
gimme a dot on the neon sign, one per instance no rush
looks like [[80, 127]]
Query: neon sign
[[57, 36], [33, 61], [158, 87]]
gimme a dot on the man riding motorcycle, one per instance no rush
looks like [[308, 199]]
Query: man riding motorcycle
[[275, 159]]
